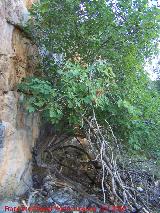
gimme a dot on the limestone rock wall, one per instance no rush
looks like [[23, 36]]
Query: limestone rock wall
[[18, 129]]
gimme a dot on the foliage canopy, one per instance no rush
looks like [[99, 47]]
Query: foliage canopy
[[92, 57]]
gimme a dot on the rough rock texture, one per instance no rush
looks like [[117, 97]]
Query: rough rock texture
[[18, 130], [58, 194]]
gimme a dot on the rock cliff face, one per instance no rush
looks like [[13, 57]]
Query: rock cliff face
[[18, 130]]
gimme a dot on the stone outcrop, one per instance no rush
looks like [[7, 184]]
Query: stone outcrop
[[18, 129]]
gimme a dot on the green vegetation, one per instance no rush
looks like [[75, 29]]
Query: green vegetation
[[103, 47]]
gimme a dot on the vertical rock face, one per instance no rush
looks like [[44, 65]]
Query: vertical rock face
[[18, 129]]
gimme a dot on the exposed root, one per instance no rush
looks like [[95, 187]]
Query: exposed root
[[94, 168]]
